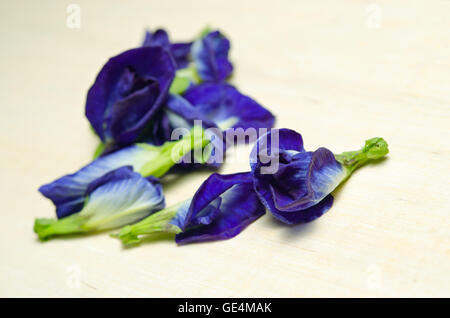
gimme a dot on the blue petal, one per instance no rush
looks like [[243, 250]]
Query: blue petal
[[223, 105], [158, 38], [301, 181], [121, 197], [128, 91], [306, 215], [221, 208], [314, 178], [210, 55], [179, 113], [180, 51], [277, 142], [181, 214], [68, 192]]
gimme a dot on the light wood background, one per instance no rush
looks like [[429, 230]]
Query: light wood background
[[339, 72]]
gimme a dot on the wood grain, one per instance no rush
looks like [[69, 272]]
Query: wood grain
[[323, 67]]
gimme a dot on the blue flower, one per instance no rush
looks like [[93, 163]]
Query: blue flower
[[210, 55], [226, 107], [68, 192], [180, 51], [229, 115], [207, 55], [219, 106], [117, 198], [220, 209], [295, 184], [130, 88]]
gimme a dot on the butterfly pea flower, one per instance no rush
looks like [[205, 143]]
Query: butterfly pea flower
[[130, 88], [68, 192], [219, 106], [222, 110], [226, 107], [210, 56], [180, 50], [203, 60], [298, 187], [220, 209], [181, 55], [115, 199]]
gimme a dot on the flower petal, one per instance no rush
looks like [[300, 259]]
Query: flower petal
[[226, 107], [68, 192], [322, 176], [221, 208], [306, 215], [210, 55], [299, 182], [121, 197], [150, 69], [272, 144], [179, 51], [179, 113], [158, 38]]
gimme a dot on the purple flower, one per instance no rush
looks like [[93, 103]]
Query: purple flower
[[219, 106], [232, 115], [130, 88], [180, 51], [115, 199], [210, 55], [68, 192], [295, 184], [226, 107], [220, 209]]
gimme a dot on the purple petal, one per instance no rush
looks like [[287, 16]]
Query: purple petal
[[221, 208], [158, 38], [276, 142], [179, 113], [301, 180], [121, 197], [210, 55], [137, 80], [68, 192], [306, 215], [179, 51], [321, 176], [114, 175], [226, 107]]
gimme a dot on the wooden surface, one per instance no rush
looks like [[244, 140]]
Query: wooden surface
[[338, 72]]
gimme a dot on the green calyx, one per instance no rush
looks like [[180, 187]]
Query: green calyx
[[46, 228], [99, 150], [171, 152], [374, 148], [205, 31], [158, 222], [183, 78]]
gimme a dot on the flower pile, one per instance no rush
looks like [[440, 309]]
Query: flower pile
[[139, 100]]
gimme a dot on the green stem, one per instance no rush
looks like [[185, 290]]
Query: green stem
[[46, 228], [374, 148], [173, 151], [157, 222]]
